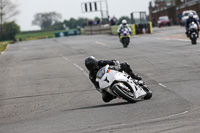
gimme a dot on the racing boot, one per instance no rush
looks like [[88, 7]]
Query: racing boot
[[137, 77], [107, 97]]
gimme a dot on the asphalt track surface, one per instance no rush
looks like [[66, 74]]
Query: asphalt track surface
[[44, 87]]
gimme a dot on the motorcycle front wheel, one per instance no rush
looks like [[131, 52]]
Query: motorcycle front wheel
[[124, 94], [148, 91], [125, 42], [194, 41]]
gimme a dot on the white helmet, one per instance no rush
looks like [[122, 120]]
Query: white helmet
[[124, 22], [191, 15]]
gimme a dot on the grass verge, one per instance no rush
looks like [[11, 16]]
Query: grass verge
[[3, 46], [36, 35]]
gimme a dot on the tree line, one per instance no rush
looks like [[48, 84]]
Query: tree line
[[49, 21], [52, 21]]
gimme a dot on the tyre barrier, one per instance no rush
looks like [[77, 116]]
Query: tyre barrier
[[143, 28], [67, 33], [136, 29]]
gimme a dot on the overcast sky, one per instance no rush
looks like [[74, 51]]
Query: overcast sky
[[72, 8]]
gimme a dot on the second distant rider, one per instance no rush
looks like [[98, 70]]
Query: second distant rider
[[190, 20], [123, 25]]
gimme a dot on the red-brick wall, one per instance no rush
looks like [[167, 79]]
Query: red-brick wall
[[172, 12], [195, 7]]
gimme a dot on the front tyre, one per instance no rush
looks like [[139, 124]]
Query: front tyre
[[193, 38], [194, 41], [124, 42], [124, 94], [148, 91]]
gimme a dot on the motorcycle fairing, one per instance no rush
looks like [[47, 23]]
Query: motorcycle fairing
[[113, 75]]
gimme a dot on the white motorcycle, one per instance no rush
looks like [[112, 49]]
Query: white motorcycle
[[121, 85], [193, 32]]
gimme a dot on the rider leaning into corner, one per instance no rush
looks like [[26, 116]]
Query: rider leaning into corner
[[93, 65], [122, 26], [190, 20]]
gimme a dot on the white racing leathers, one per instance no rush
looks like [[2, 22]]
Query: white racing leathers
[[121, 26]]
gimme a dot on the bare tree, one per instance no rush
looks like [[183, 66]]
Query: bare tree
[[46, 20], [7, 11]]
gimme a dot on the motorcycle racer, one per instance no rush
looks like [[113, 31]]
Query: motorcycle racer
[[188, 21], [122, 26], [93, 66]]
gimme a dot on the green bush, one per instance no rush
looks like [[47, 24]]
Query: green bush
[[9, 30]]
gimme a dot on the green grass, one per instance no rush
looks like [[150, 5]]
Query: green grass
[[37, 35], [3, 46]]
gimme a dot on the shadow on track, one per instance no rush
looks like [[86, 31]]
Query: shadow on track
[[186, 45], [99, 106]]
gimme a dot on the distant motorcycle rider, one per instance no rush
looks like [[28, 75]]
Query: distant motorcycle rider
[[190, 20], [123, 25], [93, 65]]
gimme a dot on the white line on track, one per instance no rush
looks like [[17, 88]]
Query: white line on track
[[100, 43], [149, 74], [77, 66], [176, 114], [65, 58], [81, 69], [162, 85]]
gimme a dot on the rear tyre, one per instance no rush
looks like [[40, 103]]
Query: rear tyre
[[122, 93]]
